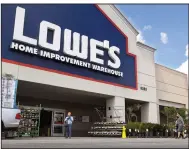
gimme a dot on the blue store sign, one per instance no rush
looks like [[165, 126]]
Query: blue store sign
[[74, 40]]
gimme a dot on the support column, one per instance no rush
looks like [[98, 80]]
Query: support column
[[150, 113], [115, 109]]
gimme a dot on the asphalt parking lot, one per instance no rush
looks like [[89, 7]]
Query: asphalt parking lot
[[91, 142]]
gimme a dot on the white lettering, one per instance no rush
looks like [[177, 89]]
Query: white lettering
[[35, 51], [45, 54], [52, 55], [116, 64], [76, 62], [71, 60], [67, 43], [19, 28], [57, 57], [94, 51], [84, 48], [14, 45], [43, 32], [67, 59], [22, 47], [76, 44], [80, 63], [85, 64], [29, 49], [94, 67], [62, 58], [106, 44]]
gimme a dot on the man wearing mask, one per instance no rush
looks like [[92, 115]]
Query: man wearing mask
[[68, 120], [180, 124]]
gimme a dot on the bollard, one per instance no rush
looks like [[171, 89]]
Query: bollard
[[185, 134], [146, 133], [129, 132], [166, 133], [123, 132]]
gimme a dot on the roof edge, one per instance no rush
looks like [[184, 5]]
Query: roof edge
[[179, 72], [146, 46], [120, 14]]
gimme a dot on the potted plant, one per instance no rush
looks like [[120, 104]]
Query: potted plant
[[129, 128], [165, 131], [172, 130], [150, 129], [143, 129], [137, 125], [146, 127], [134, 130], [140, 130], [156, 130], [161, 128]]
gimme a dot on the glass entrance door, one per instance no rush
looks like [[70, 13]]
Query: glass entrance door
[[58, 123]]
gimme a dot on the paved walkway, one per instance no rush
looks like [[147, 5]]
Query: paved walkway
[[92, 142]]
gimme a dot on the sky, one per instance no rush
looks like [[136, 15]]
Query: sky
[[163, 27]]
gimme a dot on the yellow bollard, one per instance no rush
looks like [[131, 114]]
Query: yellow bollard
[[123, 132]]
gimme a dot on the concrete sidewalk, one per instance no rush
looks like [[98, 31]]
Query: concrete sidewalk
[[92, 142]]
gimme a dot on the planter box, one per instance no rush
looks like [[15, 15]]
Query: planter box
[[147, 134], [166, 134], [172, 134], [151, 134], [134, 134], [139, 135], [129, 134], [161, 134], [157, 134]]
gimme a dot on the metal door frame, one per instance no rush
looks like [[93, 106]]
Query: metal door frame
[[52, 122]]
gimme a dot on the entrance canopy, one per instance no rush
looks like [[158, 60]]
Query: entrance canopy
[[48, 92]]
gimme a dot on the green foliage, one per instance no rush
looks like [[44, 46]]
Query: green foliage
[[170, 113], [137, 125], [183, 112], [142, 127], [150, 126], [130, 115], [130, 125]]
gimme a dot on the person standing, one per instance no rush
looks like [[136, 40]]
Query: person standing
[[180, 124], [69, 120], [176, 130]]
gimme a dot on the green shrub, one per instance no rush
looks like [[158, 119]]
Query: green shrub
[[137, 125], [143, 127], [150, 126], [130, 125]]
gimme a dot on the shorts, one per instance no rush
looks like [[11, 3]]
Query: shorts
[[180, 128]]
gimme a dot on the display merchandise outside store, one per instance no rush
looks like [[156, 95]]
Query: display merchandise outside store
[[9, 89], [30, 122]]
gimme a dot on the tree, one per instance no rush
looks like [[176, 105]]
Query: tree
[[183, 112], [170, 113], [130, 112]]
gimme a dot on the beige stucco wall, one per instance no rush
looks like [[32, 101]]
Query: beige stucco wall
[[171, 86]]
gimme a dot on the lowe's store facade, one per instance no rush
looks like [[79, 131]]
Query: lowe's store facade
[[85, 58]]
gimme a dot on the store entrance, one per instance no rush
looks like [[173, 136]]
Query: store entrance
[[52, 122], [58, 100], [45, 122], [58, 123]]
